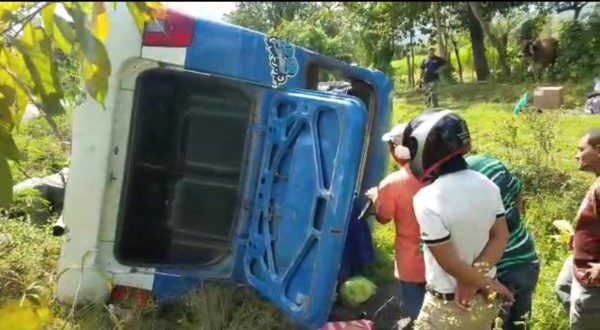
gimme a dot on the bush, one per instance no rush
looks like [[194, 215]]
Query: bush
[[579, 45]]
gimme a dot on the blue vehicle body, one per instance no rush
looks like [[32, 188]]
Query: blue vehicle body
[[311, 157]]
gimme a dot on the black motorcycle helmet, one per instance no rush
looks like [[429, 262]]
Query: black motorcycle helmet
[[434, 137]]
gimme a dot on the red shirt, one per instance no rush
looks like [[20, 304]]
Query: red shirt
[[586, 240], [395, 201]]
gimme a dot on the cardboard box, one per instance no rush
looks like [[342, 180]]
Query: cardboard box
[[548, 97]]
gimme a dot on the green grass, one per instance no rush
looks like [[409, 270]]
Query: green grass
[[540, 147]]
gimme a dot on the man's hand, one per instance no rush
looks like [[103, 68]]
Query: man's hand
[[372, 194], [498, 289], [463, 296], [592, 274]]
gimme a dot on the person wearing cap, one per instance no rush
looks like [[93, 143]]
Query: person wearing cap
[[393, 199]]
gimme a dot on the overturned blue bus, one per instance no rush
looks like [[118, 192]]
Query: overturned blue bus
[[219, 157]]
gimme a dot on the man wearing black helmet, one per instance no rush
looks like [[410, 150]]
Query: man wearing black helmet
[[461, 219]]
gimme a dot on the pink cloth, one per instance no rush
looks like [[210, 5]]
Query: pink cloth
[[349, 325]]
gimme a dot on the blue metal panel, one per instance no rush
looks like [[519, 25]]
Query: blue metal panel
[[227, 50], [307, 185]]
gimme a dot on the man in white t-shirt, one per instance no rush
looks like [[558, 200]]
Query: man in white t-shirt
[[461, 219]]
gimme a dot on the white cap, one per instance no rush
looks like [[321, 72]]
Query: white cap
[[395, 134]]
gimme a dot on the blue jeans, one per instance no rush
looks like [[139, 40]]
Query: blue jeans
[[521, 280], [413, 295]]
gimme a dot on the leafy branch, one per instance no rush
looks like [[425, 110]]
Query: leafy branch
[[33, 35]]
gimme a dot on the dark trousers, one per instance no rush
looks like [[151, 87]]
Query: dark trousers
[[521, 279]]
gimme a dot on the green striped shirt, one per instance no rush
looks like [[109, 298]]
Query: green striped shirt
[[520, 247]]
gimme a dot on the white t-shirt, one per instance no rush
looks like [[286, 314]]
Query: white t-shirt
[[460, 208]]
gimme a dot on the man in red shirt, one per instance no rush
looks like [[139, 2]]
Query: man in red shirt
[[393, 199], [581, 272]]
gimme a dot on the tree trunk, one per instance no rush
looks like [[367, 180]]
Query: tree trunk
[[412, 60], [440, 30], [383, 58], [456, 53], [410, 64], [482, 69], [408, 70], [577, 12], [502, 58]]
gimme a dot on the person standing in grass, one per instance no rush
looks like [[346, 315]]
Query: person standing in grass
[[519, 267], [430, 76], [393, 199], [578, 284], [461, 220]]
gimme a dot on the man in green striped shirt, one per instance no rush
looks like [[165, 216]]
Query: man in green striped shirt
[[519, 266]]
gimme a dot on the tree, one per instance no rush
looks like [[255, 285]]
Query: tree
[[265, 16], [483, 15], [477, 10], [442, 46], [32, 35], [461, 17], [380, 25], [313, 37], [575, 6]]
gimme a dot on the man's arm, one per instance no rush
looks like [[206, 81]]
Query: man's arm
[[494, 249], [465, 274], [437, 238], [384, 200]]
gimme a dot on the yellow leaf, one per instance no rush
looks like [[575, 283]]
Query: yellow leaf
[[139, 13], [5, 183], [100, 21], [47, 14], [12, 6], [563, 226], [21, 84], [154, 5]]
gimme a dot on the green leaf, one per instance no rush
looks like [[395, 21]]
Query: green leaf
[[96, 67], [6, 15], [87, 8], [37, 53], [6, 180], [47, 14], [66, 36], [8, 147], [7, 99]]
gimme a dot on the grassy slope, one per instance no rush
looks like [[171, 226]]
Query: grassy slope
[[554, 189]]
